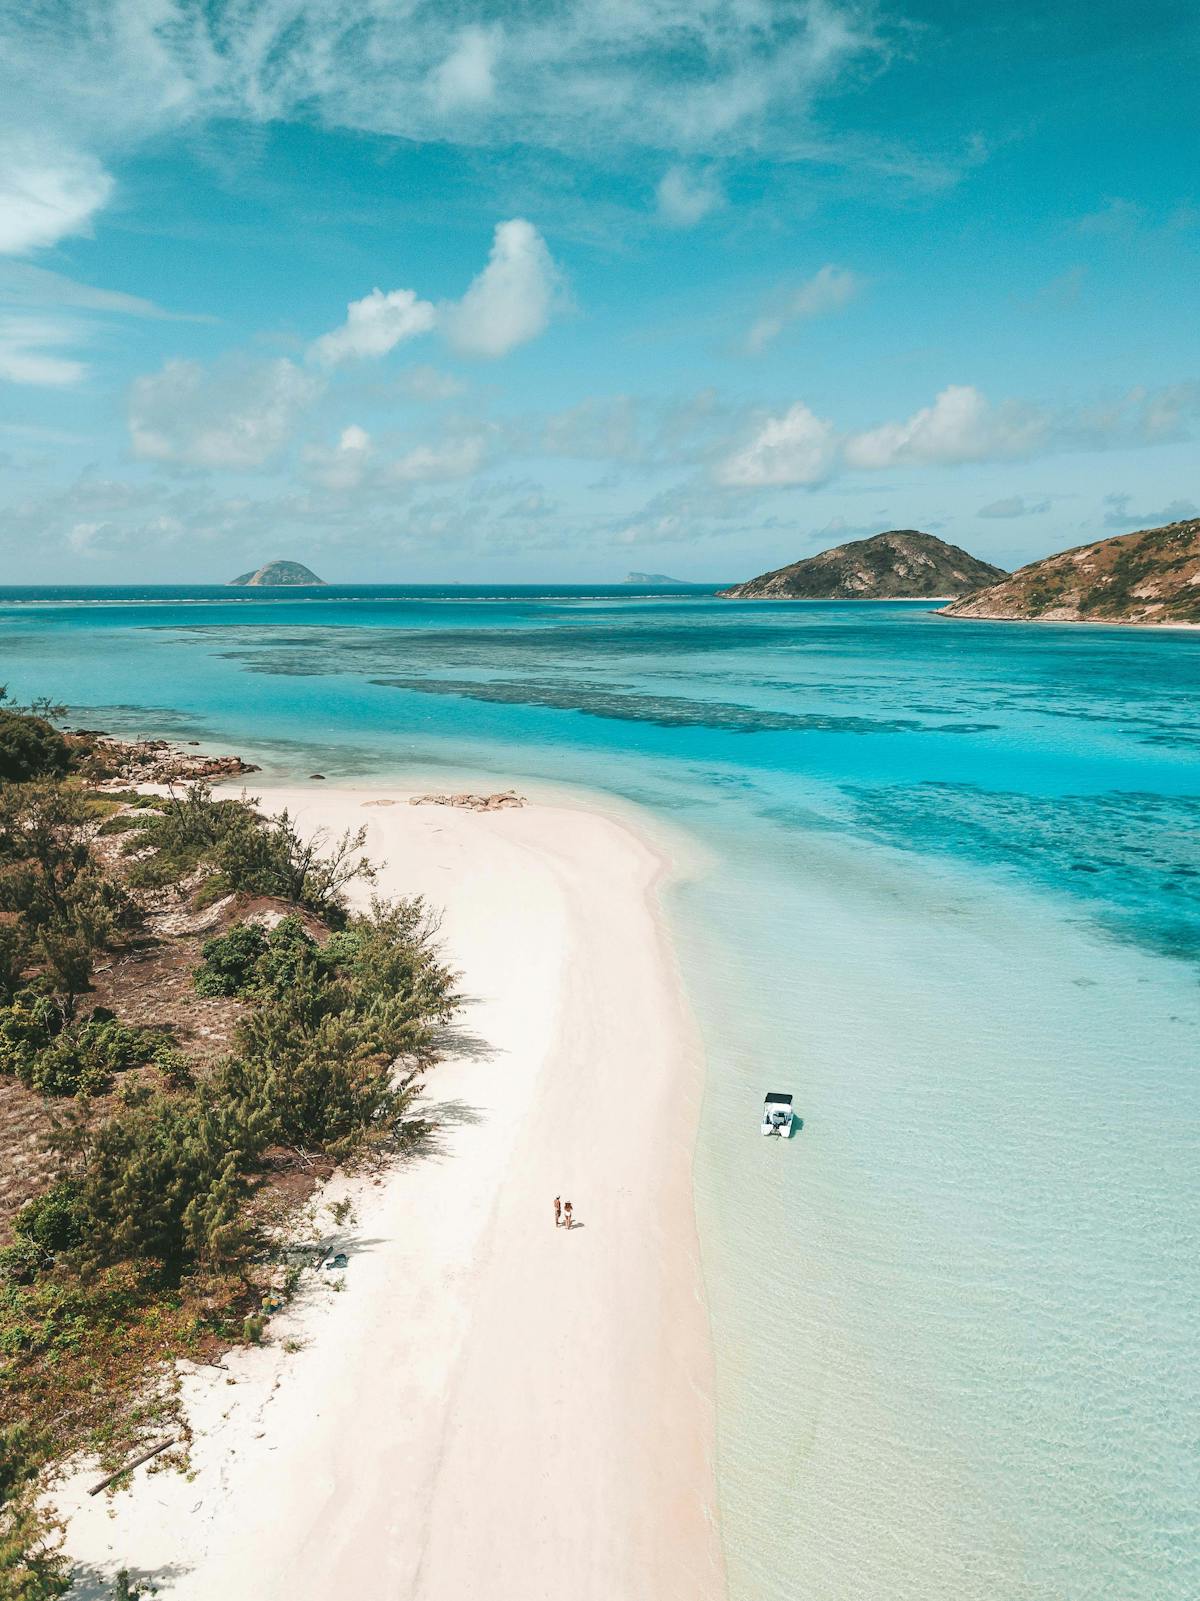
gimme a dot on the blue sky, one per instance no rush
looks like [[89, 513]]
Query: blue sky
[[421, 291]]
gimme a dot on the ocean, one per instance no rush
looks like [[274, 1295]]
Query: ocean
[[945, 891]]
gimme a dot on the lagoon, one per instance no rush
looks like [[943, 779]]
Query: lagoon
[[944, 887]]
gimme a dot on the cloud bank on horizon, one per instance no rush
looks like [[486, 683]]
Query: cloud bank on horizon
[[508, 290]]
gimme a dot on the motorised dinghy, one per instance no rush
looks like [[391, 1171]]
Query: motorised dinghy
[[777, 1116]]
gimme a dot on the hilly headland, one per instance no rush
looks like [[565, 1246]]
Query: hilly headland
[[1151, 576]]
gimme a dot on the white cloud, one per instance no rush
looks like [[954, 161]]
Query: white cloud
[[797, 448], [465, 79], [510, 301], [46, 193], [685, 198], [239, 414], [27, 352], [828, 290], [374, 325], [354, 439], [960, 425]]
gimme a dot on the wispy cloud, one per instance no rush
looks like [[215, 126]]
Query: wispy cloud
[[1118, 514], [686, 197], [30, 352], [826, 291], [43, 313], [239, 414], [1014, 506], [689, 79]]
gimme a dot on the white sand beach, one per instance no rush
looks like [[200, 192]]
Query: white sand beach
[[491, 1408]]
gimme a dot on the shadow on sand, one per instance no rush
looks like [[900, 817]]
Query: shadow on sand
[[462, 1042], [91, 1583]]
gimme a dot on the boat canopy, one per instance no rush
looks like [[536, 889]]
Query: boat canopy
[[779, 1100]]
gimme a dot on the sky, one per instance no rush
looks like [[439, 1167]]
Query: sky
[[556, 290]]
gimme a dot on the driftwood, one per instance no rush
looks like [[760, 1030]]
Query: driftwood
[[136, 1463]]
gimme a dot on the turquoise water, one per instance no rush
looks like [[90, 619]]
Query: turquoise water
[[952, 902]]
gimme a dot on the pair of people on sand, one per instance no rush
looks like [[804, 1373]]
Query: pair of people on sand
[[563, 1218]]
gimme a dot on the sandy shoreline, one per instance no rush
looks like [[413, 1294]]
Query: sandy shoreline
[[490, 1408]]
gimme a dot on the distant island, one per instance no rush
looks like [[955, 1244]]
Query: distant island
[[278, 575], [1152, 576], [900, 564], [655, 578]]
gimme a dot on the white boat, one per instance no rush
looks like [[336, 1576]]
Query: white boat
[[777, 1116]]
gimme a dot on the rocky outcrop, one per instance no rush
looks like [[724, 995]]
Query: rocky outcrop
[[118, 763], [1152, 576], [498, 802], [901, 564]]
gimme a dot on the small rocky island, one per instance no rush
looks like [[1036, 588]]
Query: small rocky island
[[656, 578], [1152, 576], [898, 565], [278, 575]]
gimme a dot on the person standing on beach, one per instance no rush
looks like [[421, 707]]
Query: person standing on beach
[[557, 1211], [567, 1218]]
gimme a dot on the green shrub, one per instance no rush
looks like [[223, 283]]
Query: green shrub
[[230, 960], [30, 748], [290, 957], [21, 1262], [28, 1025], [122, 823], [79, 1059], [43, 1229], [164, 1178]]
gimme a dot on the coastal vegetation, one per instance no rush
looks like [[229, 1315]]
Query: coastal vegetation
[[148, 1226]]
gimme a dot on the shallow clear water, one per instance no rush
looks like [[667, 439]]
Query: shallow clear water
[[953, 905]]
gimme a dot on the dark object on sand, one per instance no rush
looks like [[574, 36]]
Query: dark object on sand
[[129, 1466]]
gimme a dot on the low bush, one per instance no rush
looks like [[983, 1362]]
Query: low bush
[[58, 1058], [230, 960], [30, 748]]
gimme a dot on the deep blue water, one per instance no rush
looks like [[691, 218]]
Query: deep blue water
[[953, 902]]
